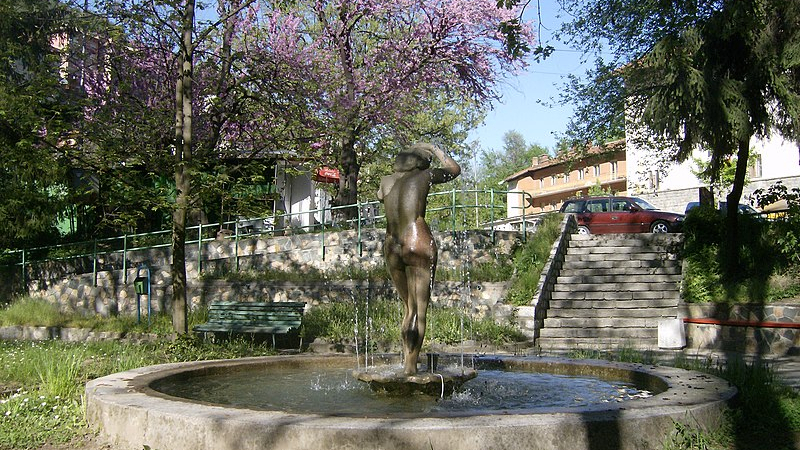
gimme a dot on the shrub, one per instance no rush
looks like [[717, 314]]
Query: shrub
[[530, 258], [786, 225]]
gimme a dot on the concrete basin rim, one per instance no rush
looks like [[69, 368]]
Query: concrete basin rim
[[686, 391]]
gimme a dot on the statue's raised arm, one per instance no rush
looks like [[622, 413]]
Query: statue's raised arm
[[449, 167]]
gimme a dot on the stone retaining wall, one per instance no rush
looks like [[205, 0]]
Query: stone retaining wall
[[740, 339], [75, 287], [19, 333]]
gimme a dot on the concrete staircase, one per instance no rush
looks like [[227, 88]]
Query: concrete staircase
[[612, 291]]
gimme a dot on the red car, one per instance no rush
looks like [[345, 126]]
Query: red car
[[613, 214]]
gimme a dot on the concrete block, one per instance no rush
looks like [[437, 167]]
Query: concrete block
[[671, 333]]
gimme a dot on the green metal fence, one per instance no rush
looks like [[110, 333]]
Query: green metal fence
[[453, 211]]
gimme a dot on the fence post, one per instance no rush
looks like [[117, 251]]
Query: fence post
[[453, 210], [24, 274], [125, 258], [524, 222], [491, 213], [358, 216], [322, 232], [94, 263], [236, 243], [477, 221], [200, 248]]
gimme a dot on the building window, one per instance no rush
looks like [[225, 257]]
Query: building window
[[655, 181], [754, 168], [552, 180], [580, 174], [541, 183], [614, 171], [566, 177], [596, 170]]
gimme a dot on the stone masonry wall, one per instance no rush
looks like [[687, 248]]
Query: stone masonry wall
[[741, 339], [75, 287]]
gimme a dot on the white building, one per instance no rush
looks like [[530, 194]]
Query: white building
[[670, 185]]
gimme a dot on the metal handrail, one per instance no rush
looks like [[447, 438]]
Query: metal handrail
[[122, 244]]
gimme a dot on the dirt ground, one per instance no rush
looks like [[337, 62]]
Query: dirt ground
[[88, 442]]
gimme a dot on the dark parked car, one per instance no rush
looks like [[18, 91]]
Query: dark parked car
[[723, 208], [614, 214]]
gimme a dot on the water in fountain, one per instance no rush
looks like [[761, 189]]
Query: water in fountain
[[333, 390]]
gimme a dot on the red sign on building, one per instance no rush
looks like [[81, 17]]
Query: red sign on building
[[327, 175]]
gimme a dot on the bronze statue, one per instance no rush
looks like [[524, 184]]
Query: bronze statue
[[409, 249]]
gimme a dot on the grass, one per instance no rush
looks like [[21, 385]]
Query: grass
[[34, 311], [380, 319], [43, 381]]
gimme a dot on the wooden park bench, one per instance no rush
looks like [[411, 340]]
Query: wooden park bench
[[253, 317]]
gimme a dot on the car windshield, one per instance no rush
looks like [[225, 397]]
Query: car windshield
[[573, 207], [643, 204]]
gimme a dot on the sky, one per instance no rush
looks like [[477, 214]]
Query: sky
[[521, 108]]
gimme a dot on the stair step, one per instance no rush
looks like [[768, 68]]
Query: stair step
[[627, 251], [615, 295], [636, 237], [655, 303], [601, 322], [649, 313], [614, 287], [601, 277], [571, 344], [616, 333], [618, 255], [622, 271], [600, 263]]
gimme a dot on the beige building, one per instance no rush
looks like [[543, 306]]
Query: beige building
[[551, 180]]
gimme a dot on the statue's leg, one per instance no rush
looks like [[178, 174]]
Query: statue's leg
[[419, 290], [397, 271], [409, 329]]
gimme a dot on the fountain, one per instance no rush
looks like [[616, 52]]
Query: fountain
[[137, 408], [290, 402]]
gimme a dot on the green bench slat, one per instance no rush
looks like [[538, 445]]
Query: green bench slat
[[253, 317]]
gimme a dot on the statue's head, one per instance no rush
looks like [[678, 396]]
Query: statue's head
[[418, 156]]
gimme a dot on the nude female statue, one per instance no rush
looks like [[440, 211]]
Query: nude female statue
[[409, 249]]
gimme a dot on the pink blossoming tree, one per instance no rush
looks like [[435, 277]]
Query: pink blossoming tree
[[362, 66]]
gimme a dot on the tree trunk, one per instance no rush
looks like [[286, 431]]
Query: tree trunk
[[731, 244], [348, 181], [183, 159]]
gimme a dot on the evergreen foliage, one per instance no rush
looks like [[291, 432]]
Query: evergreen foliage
[[697, 74]]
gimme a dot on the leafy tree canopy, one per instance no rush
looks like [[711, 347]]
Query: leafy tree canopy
[[516, 155]]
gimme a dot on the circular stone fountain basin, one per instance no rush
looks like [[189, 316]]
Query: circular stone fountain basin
[[131, 413]]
